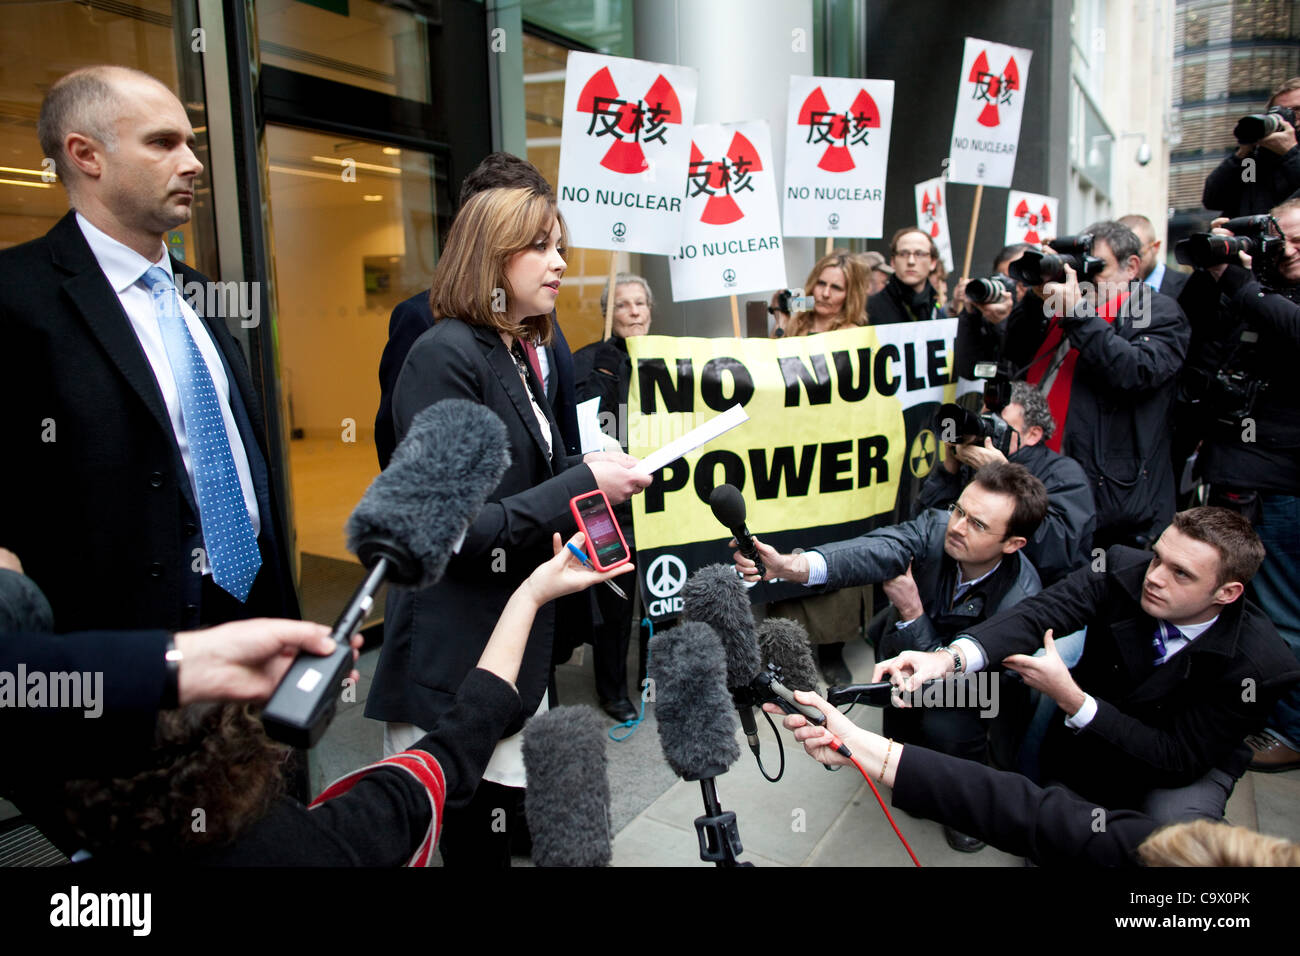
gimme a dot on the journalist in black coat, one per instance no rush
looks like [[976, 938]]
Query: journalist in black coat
[[97, 502], [1155, 726]]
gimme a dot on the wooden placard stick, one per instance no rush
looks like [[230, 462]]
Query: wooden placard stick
[[970, 236]]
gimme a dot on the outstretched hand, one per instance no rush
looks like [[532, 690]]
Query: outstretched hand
[[818, 741], [565, 574]]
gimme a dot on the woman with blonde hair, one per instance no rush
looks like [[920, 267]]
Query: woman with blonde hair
[[492, 296], [838, 286]]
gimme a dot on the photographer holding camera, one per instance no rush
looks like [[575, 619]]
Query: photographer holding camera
[[1107, 359], [987, 307], [1018, 433], [1265, 168], [1246, 343]]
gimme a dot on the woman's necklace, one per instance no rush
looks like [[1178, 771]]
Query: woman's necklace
[[522, 367]]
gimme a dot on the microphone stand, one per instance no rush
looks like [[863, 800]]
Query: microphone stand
[[717, 831]]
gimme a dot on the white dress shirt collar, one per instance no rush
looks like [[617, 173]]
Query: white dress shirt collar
[[121, 264]]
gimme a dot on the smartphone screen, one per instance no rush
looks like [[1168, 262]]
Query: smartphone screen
[[604, 542]]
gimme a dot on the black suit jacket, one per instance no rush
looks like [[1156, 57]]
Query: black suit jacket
[[1050, 826], [1155, 726], [411, 319], [124, 687], [433, 637], [95, 499], [1172, 282]]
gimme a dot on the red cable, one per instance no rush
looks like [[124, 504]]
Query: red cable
[[836, 745]]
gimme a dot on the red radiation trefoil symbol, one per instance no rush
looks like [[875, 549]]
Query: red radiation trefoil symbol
[[930, 210], [993, 88], [1030, 221], [629, 122], [838, 130], [726, 176]]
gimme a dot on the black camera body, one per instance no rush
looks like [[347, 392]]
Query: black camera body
[[996, 377], [960, 426], [1253, 235], [791, 301], [1251, 129], [988, 289], [1035, 268]]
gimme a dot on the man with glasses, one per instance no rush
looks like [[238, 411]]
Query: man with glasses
[[943, 572], [908, 296]]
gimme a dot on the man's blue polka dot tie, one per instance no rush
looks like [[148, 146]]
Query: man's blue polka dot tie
[[227, 530]]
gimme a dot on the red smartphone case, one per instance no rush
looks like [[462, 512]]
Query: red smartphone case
[[582, 526]]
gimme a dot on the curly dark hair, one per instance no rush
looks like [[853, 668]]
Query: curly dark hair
[[214, 758]]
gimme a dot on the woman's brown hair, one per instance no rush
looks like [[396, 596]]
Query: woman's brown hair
[[214, 758], [469, 282], [855, 294]]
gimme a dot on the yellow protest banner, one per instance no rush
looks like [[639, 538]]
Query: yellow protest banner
[[840, 431]]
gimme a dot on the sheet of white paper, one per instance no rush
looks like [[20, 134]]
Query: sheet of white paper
[[733, 416], [589, 434]]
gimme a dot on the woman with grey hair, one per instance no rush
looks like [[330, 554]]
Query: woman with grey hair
[[604, 370]]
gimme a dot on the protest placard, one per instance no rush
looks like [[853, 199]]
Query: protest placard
[[836, 156]]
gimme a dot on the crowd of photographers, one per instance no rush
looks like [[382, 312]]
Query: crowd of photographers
[[1147, 405]]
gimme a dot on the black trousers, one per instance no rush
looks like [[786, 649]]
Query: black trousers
[[610, 640]]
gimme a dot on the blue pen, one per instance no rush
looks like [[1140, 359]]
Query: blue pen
[[581, 556]]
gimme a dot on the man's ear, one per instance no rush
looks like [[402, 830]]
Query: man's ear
[[1227, 593], [85, 153], [1134, 266], [1013, 544]]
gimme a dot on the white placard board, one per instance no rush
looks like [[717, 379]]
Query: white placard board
[[836, 156], [623, 152]]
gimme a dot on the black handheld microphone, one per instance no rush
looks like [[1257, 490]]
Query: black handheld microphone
[[567, 800], [696, 728], [729, 507], [403, 530]]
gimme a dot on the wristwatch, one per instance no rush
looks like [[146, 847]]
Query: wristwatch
[[172, 677], [957, 663]]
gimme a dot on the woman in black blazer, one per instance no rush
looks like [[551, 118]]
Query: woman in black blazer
[[493, 291]]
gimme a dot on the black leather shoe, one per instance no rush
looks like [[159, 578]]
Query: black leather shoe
[[621, 710], [961, 842]]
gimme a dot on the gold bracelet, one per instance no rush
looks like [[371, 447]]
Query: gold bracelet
[[885, 764]]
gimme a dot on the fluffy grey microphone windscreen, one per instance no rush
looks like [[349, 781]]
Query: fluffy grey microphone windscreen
[[715, 596], [567, 800], [785, 643], [450, 460], [694, 710]]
